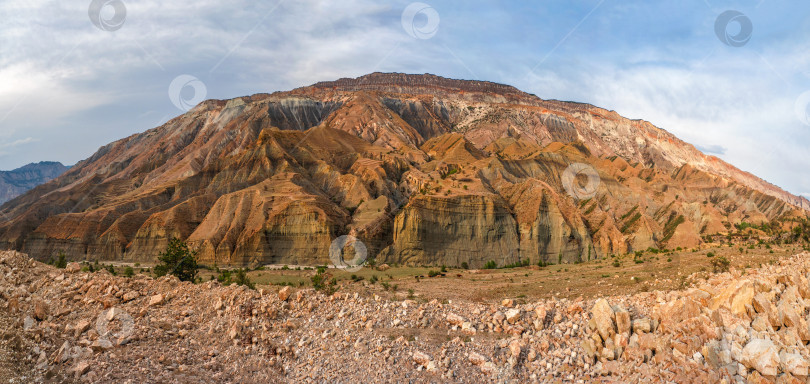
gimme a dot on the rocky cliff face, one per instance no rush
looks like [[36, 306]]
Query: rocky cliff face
[[422, 169], [16, 182]]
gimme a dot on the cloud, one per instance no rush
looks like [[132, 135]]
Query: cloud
[[77, 87], [7, 147]]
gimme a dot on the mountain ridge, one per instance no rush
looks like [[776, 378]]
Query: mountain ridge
[[421, 172], [18, 181]]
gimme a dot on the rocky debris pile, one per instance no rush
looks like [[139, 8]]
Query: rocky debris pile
[[94, 327], [732, 328]]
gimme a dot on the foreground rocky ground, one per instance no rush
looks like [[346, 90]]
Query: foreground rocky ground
[[63, 325]]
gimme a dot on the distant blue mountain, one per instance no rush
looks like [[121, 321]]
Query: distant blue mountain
[[16, 182]]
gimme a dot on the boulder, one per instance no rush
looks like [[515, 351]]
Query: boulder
[[73, 268], [40, 310], [622, 320], [156, 300], [764, 306], [794, 363], [604, 319], [476, 359], [284, 293], [642, 325], [762, 355], [131, 295], [673, 313], [421, 358], [513, 315], [454, 319], [734, 297]]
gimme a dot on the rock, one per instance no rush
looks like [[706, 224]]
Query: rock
[[794, 363], [284, 293], [131, 295], [603, 317], [642, 325], [765, 307], [454, 319], [29, 323], [672, 314], [761, 324], [81, 327], [787, 314], [156, 300], [622, 321], [421, 358], [81, 368], [468, 329], [40, 310], [383, 267], [734, 297], [73, 268], [507, 303], [762, 355], [476, 359], [589, 346], [514, 348], [101, 345], [512, 316]]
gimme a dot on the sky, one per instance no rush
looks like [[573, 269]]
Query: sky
[[730, 77]]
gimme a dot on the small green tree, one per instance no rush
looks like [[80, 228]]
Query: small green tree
[[242, 278], [720, 265], [178, 260], [129, 272], [61, 262]]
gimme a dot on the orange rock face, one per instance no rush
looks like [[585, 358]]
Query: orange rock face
[[422, 169]]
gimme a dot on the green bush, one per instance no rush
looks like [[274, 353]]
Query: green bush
[[433, 273], [720, 264], [320, 283], [177, 260], [129, 272], [241, 278], [490, 265], [710, 254], [61, 261], [464, 265]]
